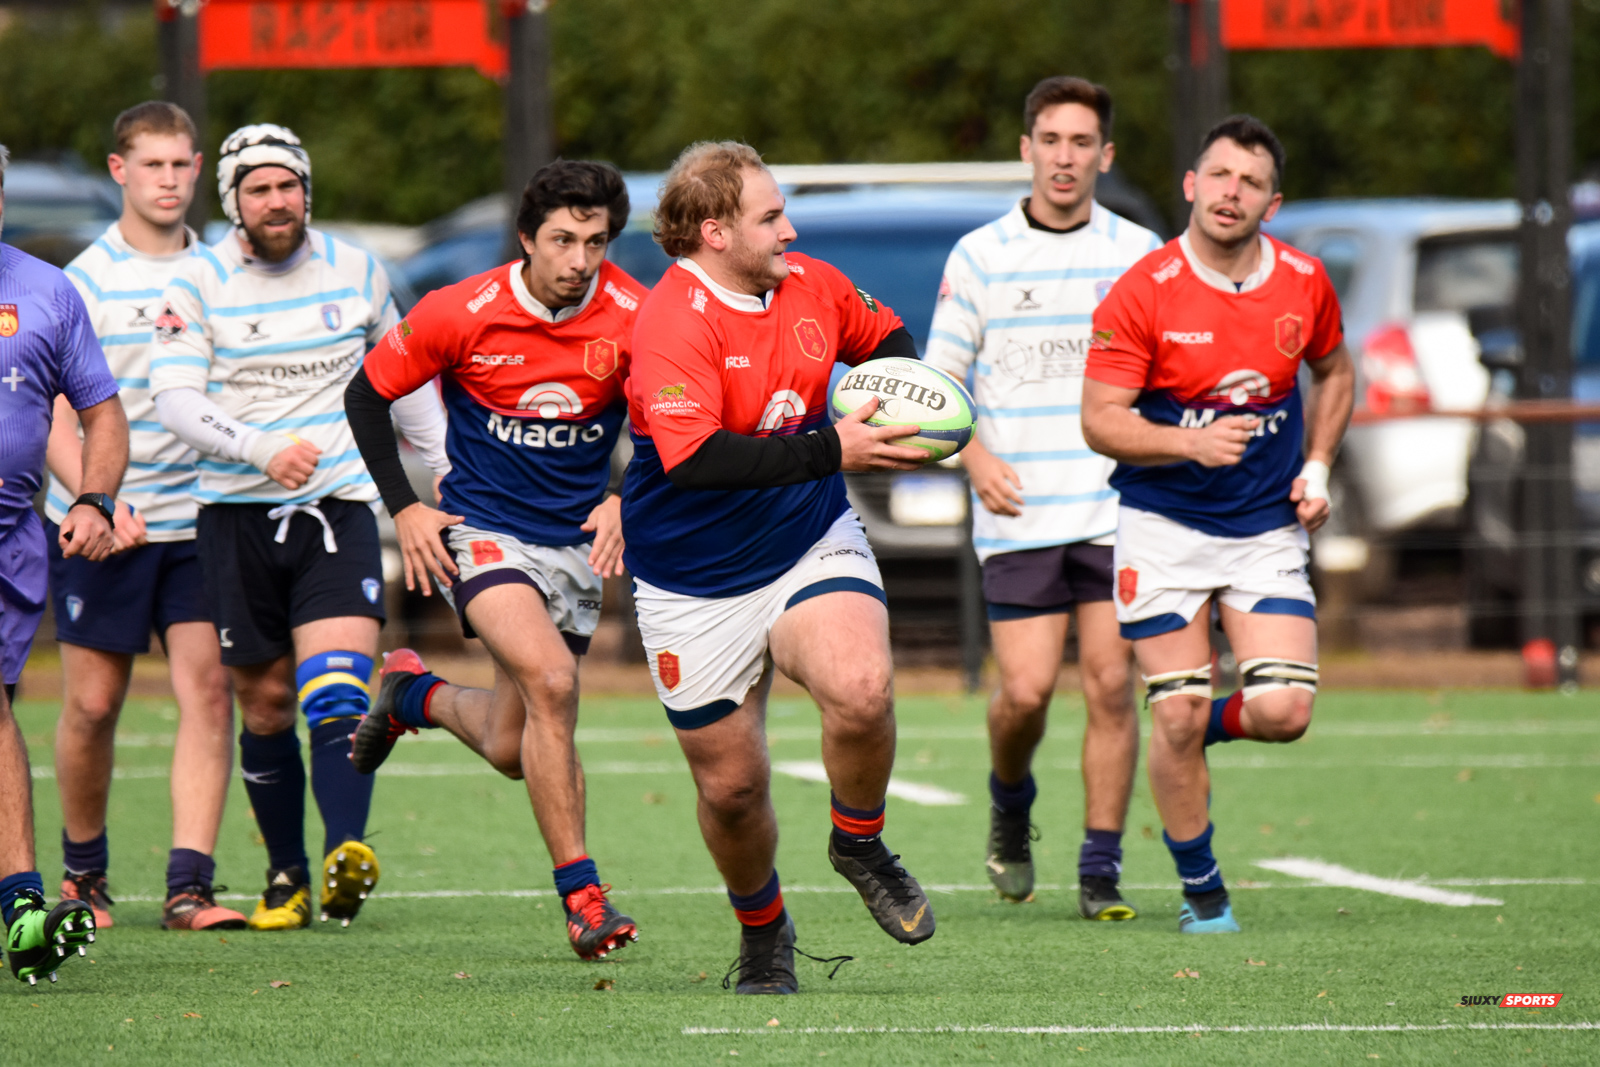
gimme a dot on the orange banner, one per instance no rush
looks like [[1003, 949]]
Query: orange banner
[[1251, 24], [270, 34]]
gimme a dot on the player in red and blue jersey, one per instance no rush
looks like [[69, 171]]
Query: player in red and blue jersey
[[745, 553], [1192, 386], [532, 358], [47, 347]]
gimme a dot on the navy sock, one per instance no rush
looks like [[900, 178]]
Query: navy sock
[[13, 886], [186, 867], [1224, 724], [275, 781], [1012, 799], [857, 832], [81, 857], [1197, 867], [1100, 855], [574, 875], [762, 908], [412, 707], [344, 795]]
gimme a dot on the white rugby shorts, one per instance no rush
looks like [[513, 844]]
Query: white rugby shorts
[[571, 589], [707, 652], [1166, 571]]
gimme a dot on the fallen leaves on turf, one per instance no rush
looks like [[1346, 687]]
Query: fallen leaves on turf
[[1320, 995], [1255, 963], [605, 985], [279, 983], [772, 1022], [1187, 973], [463, 974], [192, 1015]]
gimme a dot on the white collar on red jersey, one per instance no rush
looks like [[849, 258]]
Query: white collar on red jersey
[[519, 289], [1218, 280], [737, 301]]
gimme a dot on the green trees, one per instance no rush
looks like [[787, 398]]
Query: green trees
[[804, 81]]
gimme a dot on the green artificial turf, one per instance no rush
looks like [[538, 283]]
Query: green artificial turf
[[1454, 785]]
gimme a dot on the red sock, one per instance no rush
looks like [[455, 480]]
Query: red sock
[[1230, 715]]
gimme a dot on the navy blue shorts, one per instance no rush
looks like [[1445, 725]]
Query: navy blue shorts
[[113, 605], [1045, 581]]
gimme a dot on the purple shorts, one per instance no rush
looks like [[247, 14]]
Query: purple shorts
[[23, 570], [1045, 581]]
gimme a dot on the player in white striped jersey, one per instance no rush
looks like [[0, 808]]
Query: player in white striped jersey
[[257, 339], [105, 611], [1014, 319]]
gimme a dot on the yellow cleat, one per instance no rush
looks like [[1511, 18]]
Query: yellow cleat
[[349, 874], [286, 904]]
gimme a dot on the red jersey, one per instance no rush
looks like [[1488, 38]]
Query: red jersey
[[1195, 351], [535, 406], [700, 366]]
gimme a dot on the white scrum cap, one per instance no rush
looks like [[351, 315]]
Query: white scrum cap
[[251, 147]]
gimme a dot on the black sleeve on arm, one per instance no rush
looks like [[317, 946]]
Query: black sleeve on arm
[[368, 413], [898, 343], [728, 460]]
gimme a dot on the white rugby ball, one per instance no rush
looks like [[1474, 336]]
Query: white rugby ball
[[910, 393]]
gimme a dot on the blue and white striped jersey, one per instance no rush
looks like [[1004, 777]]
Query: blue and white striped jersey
[[275, 349], [1013, 320], [122, 288]]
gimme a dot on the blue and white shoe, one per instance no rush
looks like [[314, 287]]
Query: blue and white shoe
[[1207, 916]]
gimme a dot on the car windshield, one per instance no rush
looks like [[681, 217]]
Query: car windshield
[[26, 213], [899, 266], [1586, 312], [1462, 273]]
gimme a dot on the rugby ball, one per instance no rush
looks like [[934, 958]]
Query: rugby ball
[[910, 393]]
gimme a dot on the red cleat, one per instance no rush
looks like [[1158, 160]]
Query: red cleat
[[380, 728], [594, 927]]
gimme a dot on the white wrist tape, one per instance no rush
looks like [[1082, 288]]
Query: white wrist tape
[[1315, 473]]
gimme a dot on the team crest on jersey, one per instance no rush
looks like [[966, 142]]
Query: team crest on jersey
[[169, 326], [1127, 585], [1290, 333], [372, 589], [9, 321], [668, 670], [331, 318], [74, 607], [600, 359], [813, 342]]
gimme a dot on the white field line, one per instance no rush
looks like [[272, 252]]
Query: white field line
[[916, 792], [1197, 1028], [1333, 874]]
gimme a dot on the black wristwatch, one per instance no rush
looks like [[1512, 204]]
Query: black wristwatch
[[101, 502]]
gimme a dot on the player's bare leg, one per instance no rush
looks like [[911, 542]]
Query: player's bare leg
[[16, 797], [1110, 756], [488, 721], [837, 646], [95, 683], [1281, 713]]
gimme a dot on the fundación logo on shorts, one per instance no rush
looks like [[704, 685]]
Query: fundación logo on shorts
[[74, 607], [1512, 1000], [371, 588]]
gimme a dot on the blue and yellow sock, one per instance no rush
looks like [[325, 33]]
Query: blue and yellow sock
[[13, 886], [334, 695]]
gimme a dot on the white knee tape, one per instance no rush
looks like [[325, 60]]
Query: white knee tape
[[1195, 682], [1264, 675]]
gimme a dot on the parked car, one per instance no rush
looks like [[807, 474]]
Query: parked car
[[54, 211], [1494, 558]]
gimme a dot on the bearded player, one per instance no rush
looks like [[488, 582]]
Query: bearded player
[[47, 348], [1015, 305], [258, 337], [745, 553], [1193, 388], [533, 356]]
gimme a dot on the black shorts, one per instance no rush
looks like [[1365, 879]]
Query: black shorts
[[259, 590], [113, 605], [1045, 581]]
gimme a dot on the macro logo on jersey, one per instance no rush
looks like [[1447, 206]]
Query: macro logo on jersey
[[169, 326], [784, 414], [551, 400], [600, 359], [813, 342], [10, 321], [668, 669], [331, 318], [1290, 331]]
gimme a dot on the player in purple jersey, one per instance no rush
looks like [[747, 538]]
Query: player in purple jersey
[[47, 346]]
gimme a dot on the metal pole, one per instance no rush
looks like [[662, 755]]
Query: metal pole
[[1199, 66], [1544, 166], [529, 126], [183, 83]]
